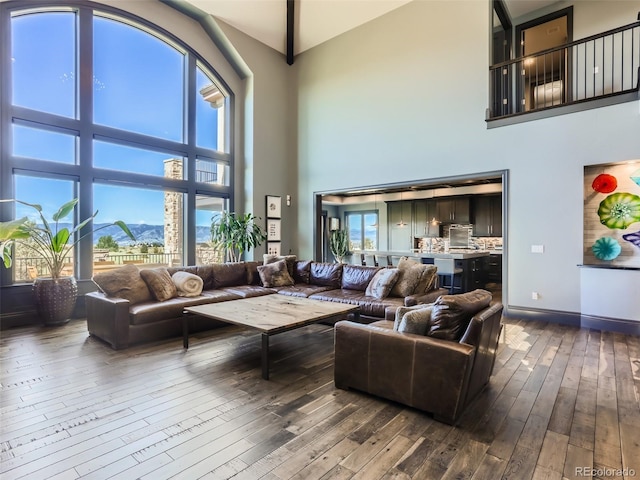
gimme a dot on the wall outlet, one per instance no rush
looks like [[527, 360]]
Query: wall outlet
[[535, 296], [537, 248]]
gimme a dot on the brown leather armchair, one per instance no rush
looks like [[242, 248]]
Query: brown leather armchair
[[438, 376]]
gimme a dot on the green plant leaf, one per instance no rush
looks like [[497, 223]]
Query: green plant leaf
[[59, 240], [65, 210]]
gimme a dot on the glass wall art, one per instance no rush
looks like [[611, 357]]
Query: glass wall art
[[612, 214]]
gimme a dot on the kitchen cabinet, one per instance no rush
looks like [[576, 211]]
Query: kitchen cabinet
[[453, 210], [494, 270], [474, 273], [400, 237], [487, 216], [423, 212]]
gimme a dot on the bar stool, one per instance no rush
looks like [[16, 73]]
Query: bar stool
[[447, 267], [369, 260], [382, 260]]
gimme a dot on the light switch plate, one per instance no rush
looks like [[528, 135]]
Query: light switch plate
[[537, 248]]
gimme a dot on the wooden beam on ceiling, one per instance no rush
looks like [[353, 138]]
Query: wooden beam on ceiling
[[290, 17]]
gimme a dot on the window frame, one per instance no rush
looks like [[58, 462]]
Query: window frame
[[362, 214], [86, 131]]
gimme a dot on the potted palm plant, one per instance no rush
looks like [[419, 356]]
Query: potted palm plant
[[235, 234], [53, 243]]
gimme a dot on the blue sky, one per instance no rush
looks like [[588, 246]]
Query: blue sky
[[137, 85]]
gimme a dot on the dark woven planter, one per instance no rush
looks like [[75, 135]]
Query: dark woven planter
[[55, 299]]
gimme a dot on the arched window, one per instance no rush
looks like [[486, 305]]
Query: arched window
[[104, 107]]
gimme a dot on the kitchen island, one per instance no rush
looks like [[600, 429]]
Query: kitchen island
[[474, 264]]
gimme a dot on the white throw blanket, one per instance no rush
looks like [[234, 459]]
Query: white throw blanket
[[188, 284]]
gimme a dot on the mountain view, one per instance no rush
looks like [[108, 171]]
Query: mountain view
[[144, 233]]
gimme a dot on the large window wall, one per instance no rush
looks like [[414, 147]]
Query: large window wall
[[107, 108]]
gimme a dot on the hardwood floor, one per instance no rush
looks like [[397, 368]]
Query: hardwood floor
[[560, 399]]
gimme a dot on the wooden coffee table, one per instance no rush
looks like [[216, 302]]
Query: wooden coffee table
[[270, 314]]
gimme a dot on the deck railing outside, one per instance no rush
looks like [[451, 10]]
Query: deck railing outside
[[599, 66]]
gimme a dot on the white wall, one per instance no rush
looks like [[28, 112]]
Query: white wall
[[404, 97], [268, 166]]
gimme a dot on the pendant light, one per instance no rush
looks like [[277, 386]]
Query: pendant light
[[401, 222], [375, 224]]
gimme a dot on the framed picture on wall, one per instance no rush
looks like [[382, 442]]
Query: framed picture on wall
[[273, 230], [274, 206], [273, 248]]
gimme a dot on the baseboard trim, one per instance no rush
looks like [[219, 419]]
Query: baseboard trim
[[574, 319], [628, 327]]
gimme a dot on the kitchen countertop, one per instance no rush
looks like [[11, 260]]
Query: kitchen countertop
[[458, 254]]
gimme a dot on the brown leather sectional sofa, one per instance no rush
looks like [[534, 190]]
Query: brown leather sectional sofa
[[121, 323], [432, 374]]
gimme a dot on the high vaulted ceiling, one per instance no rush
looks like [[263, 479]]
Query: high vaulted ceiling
[[316, 21]]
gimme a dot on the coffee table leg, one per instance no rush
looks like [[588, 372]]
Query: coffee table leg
[[185, 330], [265, 356]]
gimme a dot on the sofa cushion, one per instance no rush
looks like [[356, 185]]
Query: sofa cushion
[[382, 282], [328, 274], [205, 272], [123, 282], [275, 274], [357, 277], [229, 274], [451, 313], [253, 278], [153, 311], [160, 283], [416, 321], [369, 306], [302, 271], [302, 289], [249, 291], [290, 259]]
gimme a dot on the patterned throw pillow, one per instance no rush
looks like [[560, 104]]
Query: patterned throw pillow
[[381, 284], [409, 274], [275, 274], [290, 259], [124, 282], [416, 321], [426, 275], [160, 283]]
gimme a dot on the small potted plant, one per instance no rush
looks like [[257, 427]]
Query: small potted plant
[[55, 295], [235, 234], [339, 244]]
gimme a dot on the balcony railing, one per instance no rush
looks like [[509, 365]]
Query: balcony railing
[[603, 65]]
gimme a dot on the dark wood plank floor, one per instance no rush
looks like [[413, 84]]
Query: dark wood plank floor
[[561, 399]]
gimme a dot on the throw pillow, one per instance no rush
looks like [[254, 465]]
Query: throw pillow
[[187, 284], [123, 282], [382, 282], [275, 274], [290, 259], [416, 321], [427, 280], [451, 313], [159, 282], [427, 275], [409, 273], [401, 311]]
